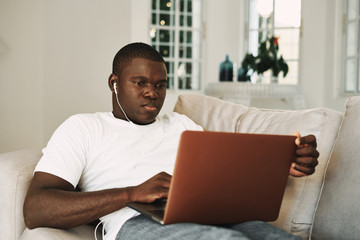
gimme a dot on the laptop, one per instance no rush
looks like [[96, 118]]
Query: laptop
[[224, 178]]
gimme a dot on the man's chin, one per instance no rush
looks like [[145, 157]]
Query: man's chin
[[146, 120]]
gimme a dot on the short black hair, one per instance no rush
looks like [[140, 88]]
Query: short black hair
[[131, 51]]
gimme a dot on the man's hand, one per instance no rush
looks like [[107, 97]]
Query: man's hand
[[306, 156], [155, 188]]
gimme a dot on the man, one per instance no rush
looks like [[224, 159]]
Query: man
[[125, 156]]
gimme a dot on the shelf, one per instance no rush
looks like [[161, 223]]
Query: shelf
[[272, 95]]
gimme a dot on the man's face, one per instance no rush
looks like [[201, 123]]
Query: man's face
[[142, 90]]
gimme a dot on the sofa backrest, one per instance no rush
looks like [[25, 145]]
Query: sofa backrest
[[302, 194], [338, 213]]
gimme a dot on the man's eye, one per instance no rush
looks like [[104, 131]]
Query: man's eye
[[139, 83], [161, 85]]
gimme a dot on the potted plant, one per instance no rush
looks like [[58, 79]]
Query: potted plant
[[266, 59]]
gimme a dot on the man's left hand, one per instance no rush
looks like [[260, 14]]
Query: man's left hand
[[306, 156]]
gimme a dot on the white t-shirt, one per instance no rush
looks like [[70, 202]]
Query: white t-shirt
[[98, 151]]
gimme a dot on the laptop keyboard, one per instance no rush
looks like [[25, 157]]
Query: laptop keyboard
[[158, 212]]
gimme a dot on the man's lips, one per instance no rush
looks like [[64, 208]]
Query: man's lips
[[149, 107]]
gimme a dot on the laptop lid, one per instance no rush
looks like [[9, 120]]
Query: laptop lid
[[222, 178]]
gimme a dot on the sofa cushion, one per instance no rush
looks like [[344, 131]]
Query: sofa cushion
[[338, 213], [302, 194], [15, 174], [211, 113]]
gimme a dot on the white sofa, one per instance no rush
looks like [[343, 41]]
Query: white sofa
[[322, 206]]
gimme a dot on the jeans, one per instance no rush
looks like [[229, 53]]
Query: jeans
[[141, 227]]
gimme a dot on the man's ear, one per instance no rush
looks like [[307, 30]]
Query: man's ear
[[112, 80]]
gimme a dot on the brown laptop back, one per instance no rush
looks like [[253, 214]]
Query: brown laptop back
[[241, 176]]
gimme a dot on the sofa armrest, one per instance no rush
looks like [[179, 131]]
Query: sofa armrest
[[15, 174], [83, 232]]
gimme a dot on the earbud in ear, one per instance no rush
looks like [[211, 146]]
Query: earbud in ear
[[115, 89]]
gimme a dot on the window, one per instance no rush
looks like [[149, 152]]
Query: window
[[280, 18], [351, 48], [176, 33]]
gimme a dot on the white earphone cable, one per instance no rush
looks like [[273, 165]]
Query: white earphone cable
[[117, 100], [102, 232]]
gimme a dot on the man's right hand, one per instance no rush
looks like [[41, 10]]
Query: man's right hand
[[155, 188]]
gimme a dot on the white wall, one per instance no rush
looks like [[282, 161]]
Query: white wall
[[21, 73], [55, 57], [221, 35], [312, 65], [332, 97], [320, 54], [81, 39]]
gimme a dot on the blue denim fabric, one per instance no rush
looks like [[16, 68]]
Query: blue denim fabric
[[141, 228]]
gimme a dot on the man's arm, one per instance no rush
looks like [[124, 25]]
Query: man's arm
[[52, 202], [306, 156]]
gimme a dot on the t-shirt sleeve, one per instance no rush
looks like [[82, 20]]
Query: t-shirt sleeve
[[64, 155]]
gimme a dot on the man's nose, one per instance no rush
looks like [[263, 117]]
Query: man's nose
[[151, 91]]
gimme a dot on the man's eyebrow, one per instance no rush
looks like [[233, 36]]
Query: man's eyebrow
[[139, 78]]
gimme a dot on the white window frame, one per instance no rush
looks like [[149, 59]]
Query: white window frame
[[273, 29], [197, 63], [344, 22]]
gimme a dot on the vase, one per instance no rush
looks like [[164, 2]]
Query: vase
[[226, 71]]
